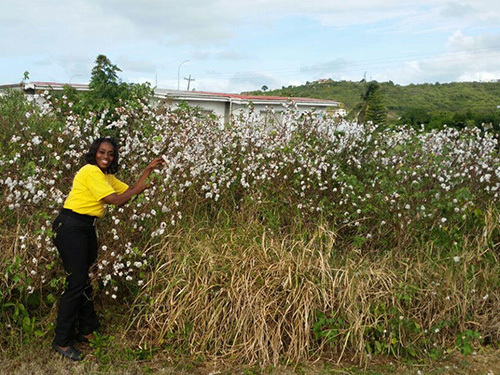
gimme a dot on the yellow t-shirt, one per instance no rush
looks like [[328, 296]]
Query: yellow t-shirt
[[90, 185]]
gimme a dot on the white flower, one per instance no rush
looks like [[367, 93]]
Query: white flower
[[456, 259]]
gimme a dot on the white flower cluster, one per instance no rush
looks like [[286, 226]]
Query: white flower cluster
[[369, 181]]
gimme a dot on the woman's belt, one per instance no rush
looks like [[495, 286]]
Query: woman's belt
[[85, 218]]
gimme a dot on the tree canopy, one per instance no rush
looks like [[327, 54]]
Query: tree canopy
[[433, 105], [107, 91]]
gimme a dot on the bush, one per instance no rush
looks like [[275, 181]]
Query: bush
[[264, 241]]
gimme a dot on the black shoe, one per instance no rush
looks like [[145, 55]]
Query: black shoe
[[71, 353], [81, 338]]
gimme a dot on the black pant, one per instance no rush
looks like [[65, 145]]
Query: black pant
[[76, 240]]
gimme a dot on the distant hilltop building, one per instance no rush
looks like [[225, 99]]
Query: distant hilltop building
[[323, 80], [221, 104]]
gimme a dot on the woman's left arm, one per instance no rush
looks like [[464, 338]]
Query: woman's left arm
[[139, 186]]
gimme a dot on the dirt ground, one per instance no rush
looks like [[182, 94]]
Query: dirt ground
[[40, 360]]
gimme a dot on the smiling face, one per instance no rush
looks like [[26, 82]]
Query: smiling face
[[105, 155]]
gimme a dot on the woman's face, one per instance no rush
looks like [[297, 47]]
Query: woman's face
[[104, 155]]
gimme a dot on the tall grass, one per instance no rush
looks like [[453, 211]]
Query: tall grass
[[245, 293]]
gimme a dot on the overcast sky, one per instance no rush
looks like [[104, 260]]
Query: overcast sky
[[238, 45]]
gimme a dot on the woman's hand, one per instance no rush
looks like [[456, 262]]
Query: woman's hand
[[156, 162], [141, 182], [138, 188]]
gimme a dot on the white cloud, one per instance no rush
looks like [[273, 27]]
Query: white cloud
[[224, 54], [460, 42], [467, 58], [36, 27], [329, 69], [128, 64], [61, 38], [473, 44], [457, 9]]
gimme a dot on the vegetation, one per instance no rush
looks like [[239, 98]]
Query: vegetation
[[371, 108], [456, 104], [260, 242], [107, 92]]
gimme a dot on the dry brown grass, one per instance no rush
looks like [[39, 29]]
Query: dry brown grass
[[244, 294], [249, 295]]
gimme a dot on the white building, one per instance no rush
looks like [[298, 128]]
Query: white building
[[340, 112], [220, 104]]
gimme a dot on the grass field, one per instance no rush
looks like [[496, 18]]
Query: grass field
[[38, 359]]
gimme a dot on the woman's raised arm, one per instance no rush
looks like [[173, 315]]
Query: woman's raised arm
[[138, 188]]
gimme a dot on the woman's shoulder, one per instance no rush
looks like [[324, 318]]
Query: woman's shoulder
[[89, 169]]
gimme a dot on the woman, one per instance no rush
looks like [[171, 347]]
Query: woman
[[75, 238]]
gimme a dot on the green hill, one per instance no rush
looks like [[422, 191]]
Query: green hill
[[456, 103]]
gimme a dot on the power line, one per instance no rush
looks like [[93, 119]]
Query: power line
[[378, 63]]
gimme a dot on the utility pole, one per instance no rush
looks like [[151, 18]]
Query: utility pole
[[189, 81]]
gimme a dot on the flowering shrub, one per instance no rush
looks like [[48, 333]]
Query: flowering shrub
[[377, 190]]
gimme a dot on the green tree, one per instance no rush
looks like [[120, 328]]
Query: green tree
[[105, 88], [376, 111], [106, 92], [372, 105], [415, 117]]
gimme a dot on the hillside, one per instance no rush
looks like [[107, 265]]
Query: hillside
[[468, 100]]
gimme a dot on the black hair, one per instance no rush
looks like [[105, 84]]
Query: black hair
[[90, 156]]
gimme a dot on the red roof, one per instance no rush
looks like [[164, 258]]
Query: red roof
[[57, 84], [264, 97], [207, 93]]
